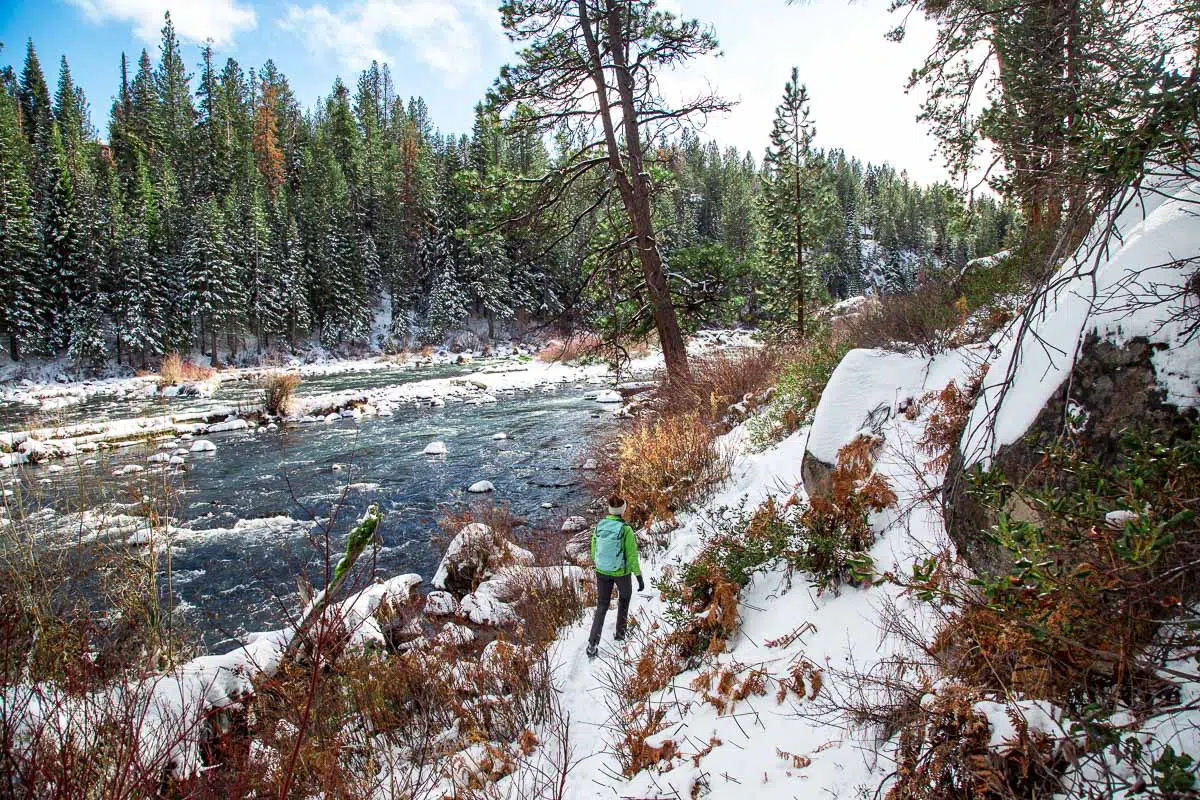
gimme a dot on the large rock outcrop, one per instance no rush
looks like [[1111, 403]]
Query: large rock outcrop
[[868, 388], [1107, 351]]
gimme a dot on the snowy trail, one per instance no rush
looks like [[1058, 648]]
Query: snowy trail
[[775, 750]]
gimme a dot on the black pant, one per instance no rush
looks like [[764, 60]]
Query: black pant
[[604, 587]]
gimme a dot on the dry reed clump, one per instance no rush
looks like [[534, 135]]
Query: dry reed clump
[[175, 370], [924, 322], [666, 464], [573, 348], [719, 381], [944, 753], [279, 390]]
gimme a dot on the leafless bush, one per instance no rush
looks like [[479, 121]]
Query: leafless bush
[[924, 322], [279, 389], [175, 370]]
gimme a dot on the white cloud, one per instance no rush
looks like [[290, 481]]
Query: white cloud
[[437, 32], [195, 20]]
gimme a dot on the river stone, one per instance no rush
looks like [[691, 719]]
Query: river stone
[[440, 604], [159, 458], [474, 555], [203, 446], [609, 397], [496, 437], [573, 524], [435, 449], [228, 425], [481, 487]]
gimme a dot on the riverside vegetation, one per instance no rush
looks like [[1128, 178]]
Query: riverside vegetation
[[1062, 664]]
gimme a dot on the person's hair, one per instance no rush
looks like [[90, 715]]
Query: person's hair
[[616, 501]]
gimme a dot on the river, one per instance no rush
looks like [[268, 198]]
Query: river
[[250, 517]]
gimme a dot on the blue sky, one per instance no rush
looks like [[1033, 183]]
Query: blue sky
[[449, 51]]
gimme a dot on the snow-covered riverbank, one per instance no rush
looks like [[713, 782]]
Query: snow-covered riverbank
[[497, 378]]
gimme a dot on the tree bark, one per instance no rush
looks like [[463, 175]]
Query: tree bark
[[635, 189]]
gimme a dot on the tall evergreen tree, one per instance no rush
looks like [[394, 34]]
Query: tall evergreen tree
[[20, 246]]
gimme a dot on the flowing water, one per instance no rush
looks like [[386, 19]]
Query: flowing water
[[251, 517]]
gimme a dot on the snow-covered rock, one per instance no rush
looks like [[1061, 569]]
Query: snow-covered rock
[[128, 469], [590, 464], [474, 555], [203, 446], [865, 391], [435, 449], [440, 604], [573, 524], [609, 396], [496, 437], [481, 487], [235, 424], [455, 635], [159, 458]]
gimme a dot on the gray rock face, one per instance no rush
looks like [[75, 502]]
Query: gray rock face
[[1112, 388]]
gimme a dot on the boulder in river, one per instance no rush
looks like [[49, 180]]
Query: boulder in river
[[203, 446], [440, 604], [435, 449], [609, 397], [475, 554], [481, 487], [573, 524], [234, 424]]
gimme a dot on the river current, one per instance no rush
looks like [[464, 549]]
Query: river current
[[249, 518]]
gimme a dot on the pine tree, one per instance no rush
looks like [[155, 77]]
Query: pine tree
[[65, 243], [798, 208], [20, 248], [210, 273]]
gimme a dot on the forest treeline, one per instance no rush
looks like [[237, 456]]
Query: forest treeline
[[214, 213]]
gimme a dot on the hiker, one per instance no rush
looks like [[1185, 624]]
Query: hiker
[[615, 554]]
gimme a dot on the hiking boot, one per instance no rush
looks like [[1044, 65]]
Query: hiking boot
[[592, 650]]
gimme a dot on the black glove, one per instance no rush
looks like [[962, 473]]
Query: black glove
[[641, 584]]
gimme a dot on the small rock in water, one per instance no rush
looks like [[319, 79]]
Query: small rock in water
[[128, 469], [338, 467], [609, 397], [333, 417], [159, 458], [573, 524], [435, 449], [55, 468], [589, 464], [499, 436], [177, 460], [234, 424], [203, 446], [547, 505], [479, 487]]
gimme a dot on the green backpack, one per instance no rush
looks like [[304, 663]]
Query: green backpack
[[610, 545]]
